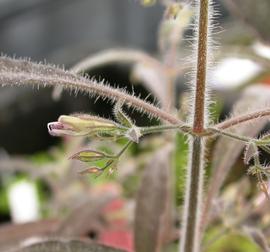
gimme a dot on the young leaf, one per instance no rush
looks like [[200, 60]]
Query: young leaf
[[153, 205], [121, 117]]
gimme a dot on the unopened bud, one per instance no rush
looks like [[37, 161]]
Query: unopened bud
[[89, 156], [81, 125], [92, 170]]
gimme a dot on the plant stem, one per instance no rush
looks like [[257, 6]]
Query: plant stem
[[190, 241], [190, 234], [22, 72], [259, 114], [124, 149], [161, 128], [200, 95], [233, 136]]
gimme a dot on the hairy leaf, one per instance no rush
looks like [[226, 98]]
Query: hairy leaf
[[121, 117], [152, 215]]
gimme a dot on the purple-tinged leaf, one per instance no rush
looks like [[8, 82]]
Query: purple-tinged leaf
[[153, 205], [227, 150], [61, 245]]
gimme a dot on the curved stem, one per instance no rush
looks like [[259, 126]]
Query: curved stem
[[243, 118], [15, 72], [114, 55]]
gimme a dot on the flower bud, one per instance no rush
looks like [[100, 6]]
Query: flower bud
[[82, 125], [89, 156], [92, 170]]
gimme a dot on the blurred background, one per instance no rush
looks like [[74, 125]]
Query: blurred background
[[63, 32]]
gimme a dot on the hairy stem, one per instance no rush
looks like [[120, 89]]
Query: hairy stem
[[243, 119], [161, 128], [23, 72], [231, 135], [193, 199], [191, 217], [199, 111]]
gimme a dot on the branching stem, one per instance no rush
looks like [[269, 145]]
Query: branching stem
[[191, 237]]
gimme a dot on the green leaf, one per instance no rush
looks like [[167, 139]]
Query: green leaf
[[121, 117]]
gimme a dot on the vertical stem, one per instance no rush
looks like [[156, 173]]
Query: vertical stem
[[199, 112], [190, 231], [190, 241]]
